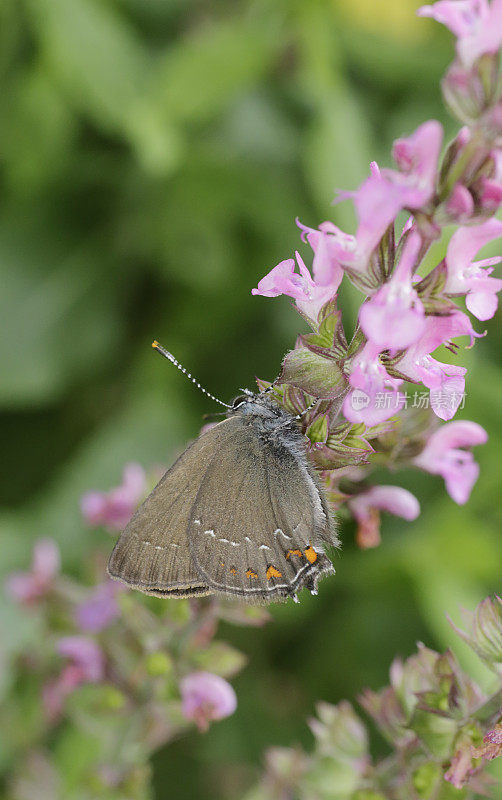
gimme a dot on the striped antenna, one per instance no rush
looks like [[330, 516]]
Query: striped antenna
[[173, 360], [309, 408]]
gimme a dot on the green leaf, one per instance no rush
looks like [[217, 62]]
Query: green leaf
[[436, 732], [317, 432], [220, 658], [224, 58]]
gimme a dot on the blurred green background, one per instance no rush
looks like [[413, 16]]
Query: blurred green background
[[154, 158]]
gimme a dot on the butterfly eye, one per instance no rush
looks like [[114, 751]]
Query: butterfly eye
[[238, 401]]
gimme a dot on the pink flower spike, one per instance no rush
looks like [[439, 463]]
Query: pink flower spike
[[476, 24], [442, 456], [206, 697], [309, 295], [100, 608], [114, 509], [28, 587], [465, 276], [394, 317], [374, 396]]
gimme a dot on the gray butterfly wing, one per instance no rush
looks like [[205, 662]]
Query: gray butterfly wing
[[152, 553], [259, 520]]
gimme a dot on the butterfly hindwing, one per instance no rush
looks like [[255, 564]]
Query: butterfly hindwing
[[259, 520]]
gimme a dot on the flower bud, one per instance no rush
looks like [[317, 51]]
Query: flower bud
[[485, 635]]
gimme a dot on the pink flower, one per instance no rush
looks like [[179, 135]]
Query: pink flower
[[476, 24], [417, 159], [442, 456], [460, 204], [114, 509], [366, 506], [206, 697], [309, 295], [100, 609], [445, 381], [394, 317], [28, 587], [85, 665], [465, 276], [85, 657], [377, 203], [374, 396]]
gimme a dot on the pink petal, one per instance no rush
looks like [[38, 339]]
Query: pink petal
[[486, 37], [462, 433], [482, 304], [459, 486], [371, 410], [22, 587], [93, 507], [417, 156], [134, 480], [46, 559], [460, 16], [85, 654], [100, 608], [465, 243], [278, 281], [206, 697], [460, 204], [491, 194], [393, 499]]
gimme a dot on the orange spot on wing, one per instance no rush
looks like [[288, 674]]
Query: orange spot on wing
[[294, 553], [310, 554], [222, 563], [272, 572], [251, 574], [233, 570]]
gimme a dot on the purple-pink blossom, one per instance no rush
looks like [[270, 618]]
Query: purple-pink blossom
[[373, 397], [114, 509], [100, 608], [206, 697], [460, 204], [477, 25], [85, 664], [417, 158], [473, 278], [445, 381], [394, 317], [366, 506], [28, 587], [444, 455], [310, 294]]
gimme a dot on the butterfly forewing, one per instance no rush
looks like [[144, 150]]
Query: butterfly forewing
[[260, 534], [152, 553]]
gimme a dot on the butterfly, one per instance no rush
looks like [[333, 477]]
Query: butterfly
[[240, 513]]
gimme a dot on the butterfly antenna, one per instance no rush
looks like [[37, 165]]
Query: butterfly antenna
[[173, 360], [309, 408]]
